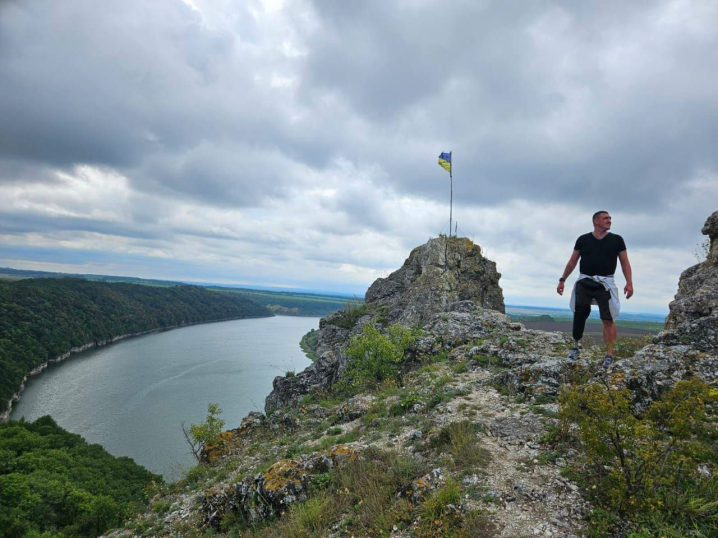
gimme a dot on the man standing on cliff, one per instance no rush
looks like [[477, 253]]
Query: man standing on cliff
[[599, 252]]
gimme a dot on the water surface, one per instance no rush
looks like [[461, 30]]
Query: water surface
[[132, 396]]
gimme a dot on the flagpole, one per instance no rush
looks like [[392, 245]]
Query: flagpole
[[451, 199]]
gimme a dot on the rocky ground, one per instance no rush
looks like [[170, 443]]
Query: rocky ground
[[515, 480]]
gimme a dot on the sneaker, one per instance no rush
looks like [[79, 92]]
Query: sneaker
[[607, 362], [573, 354]]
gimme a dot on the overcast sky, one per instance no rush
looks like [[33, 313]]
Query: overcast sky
[[295, 144]]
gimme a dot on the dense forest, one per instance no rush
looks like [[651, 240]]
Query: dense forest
[[41, 319], [52, 483]]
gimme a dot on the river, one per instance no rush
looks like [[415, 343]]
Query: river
[[131, 397]]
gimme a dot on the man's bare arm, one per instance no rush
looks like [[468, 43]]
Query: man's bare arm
[[626, 268], [570, 266]]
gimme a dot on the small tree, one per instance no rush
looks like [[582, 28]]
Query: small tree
[[198, 436]]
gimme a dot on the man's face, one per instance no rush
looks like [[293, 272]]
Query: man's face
[[603, 221]]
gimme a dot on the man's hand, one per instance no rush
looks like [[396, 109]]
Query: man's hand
[[628, 290], [627, 272], [559, 288]]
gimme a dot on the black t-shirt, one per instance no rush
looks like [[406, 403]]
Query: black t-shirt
[[599, 257]]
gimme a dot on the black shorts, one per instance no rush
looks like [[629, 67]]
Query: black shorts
[[587, 290]]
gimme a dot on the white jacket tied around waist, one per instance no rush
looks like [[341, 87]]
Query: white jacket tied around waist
[[614, 305]]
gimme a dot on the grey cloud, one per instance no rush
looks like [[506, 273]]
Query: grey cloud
[[85, 83], [20, 172], [592, 104], [20, 223], [498, 96]]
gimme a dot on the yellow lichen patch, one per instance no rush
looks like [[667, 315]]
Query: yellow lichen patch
[[281, 473], [419, 489], [226, 436], [422, 482], [213, 452], [345, 452], [618, 378], [225, 442]]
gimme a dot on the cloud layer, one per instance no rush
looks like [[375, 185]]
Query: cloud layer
[[264, 142]]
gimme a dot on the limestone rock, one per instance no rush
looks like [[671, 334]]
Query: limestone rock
[[420, 489], [655, 369], [356, 407], [693, 317], [320, 375], [270, 493], [542, 378], [435, 275]]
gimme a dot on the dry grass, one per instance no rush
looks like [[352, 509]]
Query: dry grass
[[462, 442]]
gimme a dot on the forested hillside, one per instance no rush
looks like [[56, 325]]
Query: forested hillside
[[41, 319], [53, 484]]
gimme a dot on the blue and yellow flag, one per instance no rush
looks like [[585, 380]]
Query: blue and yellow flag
[[445, 161]]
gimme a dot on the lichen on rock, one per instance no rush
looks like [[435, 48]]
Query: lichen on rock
[[271, 492]]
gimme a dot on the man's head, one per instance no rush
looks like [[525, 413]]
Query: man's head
[[602, 220]]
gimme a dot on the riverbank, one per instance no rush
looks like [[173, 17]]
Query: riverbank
[[5, 415]]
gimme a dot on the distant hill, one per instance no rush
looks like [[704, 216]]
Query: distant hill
[[7, 273], [283, 303], [292, 303], [42, 319]]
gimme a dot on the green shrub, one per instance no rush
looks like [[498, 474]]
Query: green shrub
[[375, 357], [440, 517], [646, 469]]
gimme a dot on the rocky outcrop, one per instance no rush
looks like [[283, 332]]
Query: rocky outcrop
[[445, 286], [656, 369], [271, 492], [317, 377], [441, 272], [471, 364], [693, 317]]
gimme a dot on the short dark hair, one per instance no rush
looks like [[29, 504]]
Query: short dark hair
[[597, 214]]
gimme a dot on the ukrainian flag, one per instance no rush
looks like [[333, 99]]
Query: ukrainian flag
[[445, 161]]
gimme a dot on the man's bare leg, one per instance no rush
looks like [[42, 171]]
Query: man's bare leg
[[609, 336]]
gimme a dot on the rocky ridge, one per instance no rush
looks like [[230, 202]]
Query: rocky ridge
[[470, 368]]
